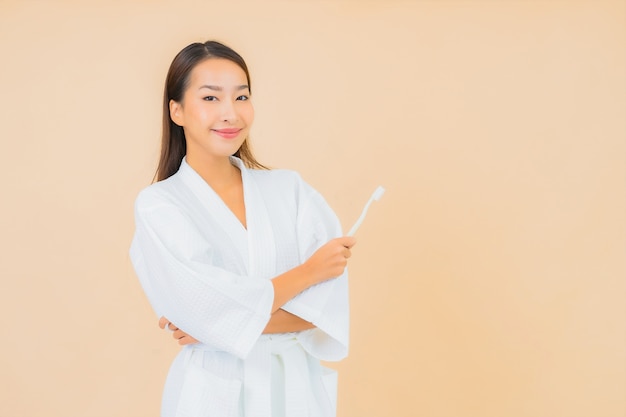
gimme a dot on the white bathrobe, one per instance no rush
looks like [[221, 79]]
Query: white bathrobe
[[205, 272]]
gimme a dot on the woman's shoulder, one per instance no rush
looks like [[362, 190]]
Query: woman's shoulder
[[157, 194]]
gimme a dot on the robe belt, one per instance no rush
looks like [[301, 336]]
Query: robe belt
[[257, 380]]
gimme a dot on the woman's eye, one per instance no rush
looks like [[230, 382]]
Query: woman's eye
[[243, 98], [210, 98]]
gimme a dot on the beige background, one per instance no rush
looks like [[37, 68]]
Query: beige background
[[490, 281]]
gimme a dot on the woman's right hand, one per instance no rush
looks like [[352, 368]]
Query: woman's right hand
[[330, 260], [326, 263], [182, 337]]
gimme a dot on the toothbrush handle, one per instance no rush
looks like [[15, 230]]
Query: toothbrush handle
[[360, 219], [354, 228]]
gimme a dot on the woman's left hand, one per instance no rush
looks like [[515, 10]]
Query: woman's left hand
[[182, 337]]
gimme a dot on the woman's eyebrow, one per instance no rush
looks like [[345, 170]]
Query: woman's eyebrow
[[218, 88]]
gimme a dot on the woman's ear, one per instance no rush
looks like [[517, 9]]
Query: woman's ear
[[176, 113]]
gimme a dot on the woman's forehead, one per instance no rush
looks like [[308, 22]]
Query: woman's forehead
[[218, 72]]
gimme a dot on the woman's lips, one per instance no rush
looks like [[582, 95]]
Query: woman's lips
[[229, 133]]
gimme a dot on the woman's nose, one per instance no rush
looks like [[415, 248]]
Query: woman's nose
[[229, 113]]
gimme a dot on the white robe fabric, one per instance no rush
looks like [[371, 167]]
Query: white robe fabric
[[205, 272]]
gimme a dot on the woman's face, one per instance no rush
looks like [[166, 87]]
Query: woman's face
[[216, 112]]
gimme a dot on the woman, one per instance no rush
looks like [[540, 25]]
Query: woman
[[245, 261]]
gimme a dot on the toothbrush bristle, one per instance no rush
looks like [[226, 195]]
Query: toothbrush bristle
[[379, 193]]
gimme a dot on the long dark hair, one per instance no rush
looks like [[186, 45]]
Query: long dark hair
[[173, 145]]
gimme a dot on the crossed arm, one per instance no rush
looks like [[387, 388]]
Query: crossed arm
[[281, 322], [328, 262]]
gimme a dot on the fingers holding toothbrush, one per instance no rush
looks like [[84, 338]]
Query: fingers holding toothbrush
[[344, 246], [331, 259], [348, 244], [346, 241]]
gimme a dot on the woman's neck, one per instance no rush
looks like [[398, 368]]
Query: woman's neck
[[219, 173]]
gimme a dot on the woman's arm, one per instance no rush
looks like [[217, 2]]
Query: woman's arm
[[284, 322], [281, 322], [327, 262]]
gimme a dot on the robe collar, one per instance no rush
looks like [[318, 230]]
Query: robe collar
[[255, 244]]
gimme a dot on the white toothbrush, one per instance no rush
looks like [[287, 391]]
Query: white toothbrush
[[376, 195]]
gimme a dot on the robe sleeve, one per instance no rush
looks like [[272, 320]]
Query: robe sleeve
[[326, 304], [173, 262]]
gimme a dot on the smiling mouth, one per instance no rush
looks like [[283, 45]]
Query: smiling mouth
[[227, 133]]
